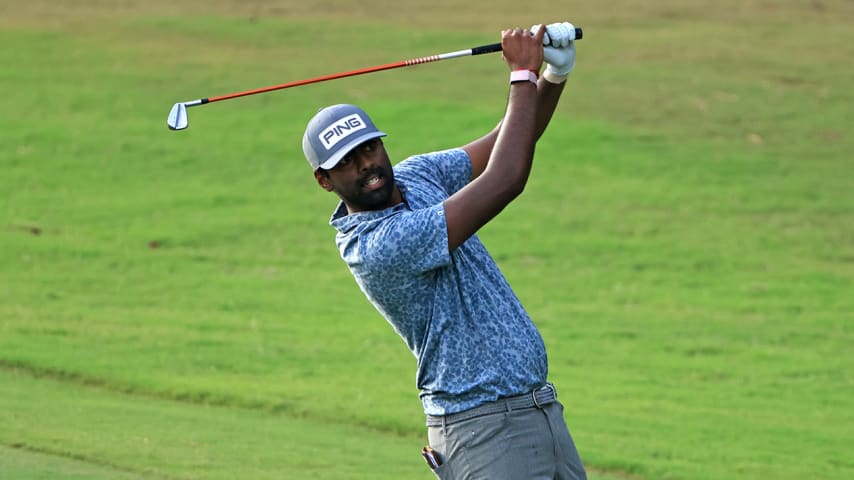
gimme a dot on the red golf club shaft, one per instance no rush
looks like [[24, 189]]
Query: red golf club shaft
[[495, 47], [322, 78]]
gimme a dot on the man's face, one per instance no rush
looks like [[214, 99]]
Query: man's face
[[363, 179]]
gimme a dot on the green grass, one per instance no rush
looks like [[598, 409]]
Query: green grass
[[685, 244], [161, 439]]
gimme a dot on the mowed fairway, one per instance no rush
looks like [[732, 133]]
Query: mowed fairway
[[172, 304]]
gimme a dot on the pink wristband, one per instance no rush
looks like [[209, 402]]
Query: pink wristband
[[523, 76]]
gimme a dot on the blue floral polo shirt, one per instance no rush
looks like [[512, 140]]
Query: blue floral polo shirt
[[456, 312]]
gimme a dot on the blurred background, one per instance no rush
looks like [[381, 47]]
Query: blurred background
[[172, 304]]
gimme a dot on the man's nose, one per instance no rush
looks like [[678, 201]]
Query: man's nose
[[364, 162]]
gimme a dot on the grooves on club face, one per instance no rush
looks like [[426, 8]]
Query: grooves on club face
[[178, 117]]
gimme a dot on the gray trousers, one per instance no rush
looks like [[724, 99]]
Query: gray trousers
[[529, 444]]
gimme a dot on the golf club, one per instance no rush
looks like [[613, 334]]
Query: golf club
[[178, 120]]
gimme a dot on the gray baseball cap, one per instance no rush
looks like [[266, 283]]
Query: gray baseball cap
[[333, 132]]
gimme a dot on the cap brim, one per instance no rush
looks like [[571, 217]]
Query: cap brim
[[334, 159]]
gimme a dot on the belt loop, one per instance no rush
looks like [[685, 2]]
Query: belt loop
[[534, 396], [444, 418]]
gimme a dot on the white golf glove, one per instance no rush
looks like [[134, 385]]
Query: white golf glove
[[558, 50]]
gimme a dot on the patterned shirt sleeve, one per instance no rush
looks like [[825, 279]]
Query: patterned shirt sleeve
[[448, 170], [415, 240], [406, 243]]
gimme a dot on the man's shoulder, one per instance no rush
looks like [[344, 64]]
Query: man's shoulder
[[432, 160], [448, 169]]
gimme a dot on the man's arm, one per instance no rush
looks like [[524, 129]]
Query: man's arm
[[512, 152], [479, 150], [559, 53]]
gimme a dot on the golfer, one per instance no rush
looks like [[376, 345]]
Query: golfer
[[408, 235]]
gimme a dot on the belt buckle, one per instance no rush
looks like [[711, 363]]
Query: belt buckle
[[536, 402], [548, 386]]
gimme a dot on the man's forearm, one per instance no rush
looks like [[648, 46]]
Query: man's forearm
[[548, 95], [513, 151]]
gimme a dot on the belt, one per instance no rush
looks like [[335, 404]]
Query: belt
[[537, 398]]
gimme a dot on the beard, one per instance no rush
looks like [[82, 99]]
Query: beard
[[361, 198]]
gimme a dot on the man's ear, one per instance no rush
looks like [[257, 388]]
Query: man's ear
[[322, 177]]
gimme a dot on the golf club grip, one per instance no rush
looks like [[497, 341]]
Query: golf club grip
[[492, 48], [496, 47]]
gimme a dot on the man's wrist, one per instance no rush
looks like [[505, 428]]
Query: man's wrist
[[523, 75], [552, 77]]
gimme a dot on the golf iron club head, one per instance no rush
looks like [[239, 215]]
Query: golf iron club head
[[178, 117]]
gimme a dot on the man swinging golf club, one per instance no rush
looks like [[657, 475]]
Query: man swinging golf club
[[408, 235]]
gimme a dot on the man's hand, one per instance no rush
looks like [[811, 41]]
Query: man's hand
[[522, 49], [559, 50]]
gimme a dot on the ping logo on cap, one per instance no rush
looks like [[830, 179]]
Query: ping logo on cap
[[339, 130]]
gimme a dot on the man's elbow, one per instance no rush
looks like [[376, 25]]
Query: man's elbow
[[512, 189]]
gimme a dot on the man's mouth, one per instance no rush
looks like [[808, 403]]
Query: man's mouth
[[372, 182]]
